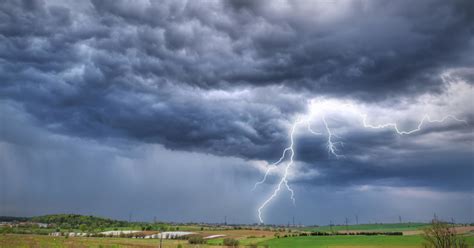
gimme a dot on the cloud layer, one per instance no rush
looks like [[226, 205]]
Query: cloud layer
[[227, 79]]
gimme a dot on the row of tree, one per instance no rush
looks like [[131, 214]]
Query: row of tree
[[74, 221]]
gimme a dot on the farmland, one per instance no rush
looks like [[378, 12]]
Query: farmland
[[390, 227], [18, 240], [351, 241], [72, 232]]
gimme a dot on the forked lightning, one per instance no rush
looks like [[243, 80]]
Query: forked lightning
[[332, 145]]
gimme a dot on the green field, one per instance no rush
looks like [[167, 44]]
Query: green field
[[18, 240], [243, 241], [396, 227], [30, 235], [349, 241]]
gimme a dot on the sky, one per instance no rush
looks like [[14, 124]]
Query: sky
[[175, 109]]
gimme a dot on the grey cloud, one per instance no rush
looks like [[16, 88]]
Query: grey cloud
[[69, 64], [47, 173], [42, 173], [227, 78], [440, 159]]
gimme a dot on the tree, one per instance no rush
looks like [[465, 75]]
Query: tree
[[196, 239], [83, 227], [163, 228], [442, 235], [231, 242]]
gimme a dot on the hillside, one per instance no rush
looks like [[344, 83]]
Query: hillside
[[75, 220]]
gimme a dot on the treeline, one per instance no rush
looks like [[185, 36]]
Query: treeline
[[352, 233], [74, 221], [38, 231], [12, 219]]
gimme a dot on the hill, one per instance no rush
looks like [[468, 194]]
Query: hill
[[75, 220]]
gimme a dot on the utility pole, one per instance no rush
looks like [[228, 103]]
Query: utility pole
[[161, 239], [330, 225], [225, 220], [400, 219], [130, 217], [162, 228], [357, 219], [293, 221], [347, 226]]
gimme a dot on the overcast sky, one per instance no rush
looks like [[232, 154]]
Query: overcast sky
[[174, 109]]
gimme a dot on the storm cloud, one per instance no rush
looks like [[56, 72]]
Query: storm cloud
[[226, 79]]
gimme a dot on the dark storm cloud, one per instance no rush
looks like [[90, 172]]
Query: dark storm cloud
[[445, 171], [86, 67], [44, 173], [439, 157], [222, 77]]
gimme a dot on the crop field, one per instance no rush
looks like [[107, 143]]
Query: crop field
[[350, 241], [211, 236], [246, 238], [370, 227], [20, 240]]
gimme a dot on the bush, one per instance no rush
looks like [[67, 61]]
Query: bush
[[442, 235], [196, 239], [231, 242]]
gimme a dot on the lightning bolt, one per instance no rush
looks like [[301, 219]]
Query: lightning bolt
[[331, 144], [283, 155], [394, 126], [283, 179]]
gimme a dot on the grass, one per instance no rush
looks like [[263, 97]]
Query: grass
[[242, 241], [19, 240], [395, 227], [246, 237], [350, 241], [249, 241]]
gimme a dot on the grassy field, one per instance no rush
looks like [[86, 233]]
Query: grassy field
[[350, 241], [371, 227], [263, 237], [243, 241], [18, 240]]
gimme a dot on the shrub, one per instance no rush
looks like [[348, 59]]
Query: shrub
[[196, 239], [442, 235], [231, 242]]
